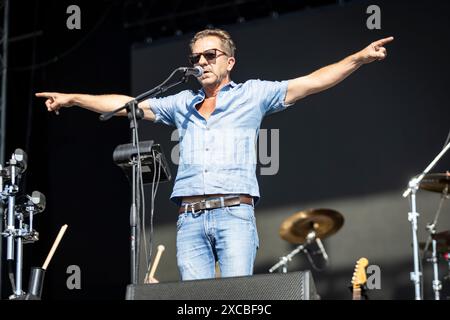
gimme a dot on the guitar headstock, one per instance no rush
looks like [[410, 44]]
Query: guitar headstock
[[359, 276]]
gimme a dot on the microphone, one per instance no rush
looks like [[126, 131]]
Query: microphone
[[196, 71], [322, 249]]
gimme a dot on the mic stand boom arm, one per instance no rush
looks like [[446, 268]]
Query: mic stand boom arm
[[146, 95]]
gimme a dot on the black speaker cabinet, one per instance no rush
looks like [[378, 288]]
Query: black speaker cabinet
[[279, 286]]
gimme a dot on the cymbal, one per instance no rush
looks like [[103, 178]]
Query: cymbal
[[436, 182], [324, 222]]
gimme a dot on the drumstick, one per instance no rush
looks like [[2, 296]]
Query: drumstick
[[155, 263], [55, 245]]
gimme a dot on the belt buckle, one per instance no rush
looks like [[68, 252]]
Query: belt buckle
[[186, 206], [206, 203]]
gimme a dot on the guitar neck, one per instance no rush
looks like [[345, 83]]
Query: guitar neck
[[356, 293]]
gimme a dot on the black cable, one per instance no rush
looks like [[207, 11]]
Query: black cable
[[155, 184]]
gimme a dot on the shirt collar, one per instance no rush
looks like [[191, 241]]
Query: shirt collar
[[230, 85]]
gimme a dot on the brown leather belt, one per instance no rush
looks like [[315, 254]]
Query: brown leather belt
[[214, 202]]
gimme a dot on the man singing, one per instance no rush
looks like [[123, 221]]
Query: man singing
[[216, 186]]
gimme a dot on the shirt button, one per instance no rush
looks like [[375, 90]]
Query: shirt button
[[207, 128], [207, 149], [206, 171]]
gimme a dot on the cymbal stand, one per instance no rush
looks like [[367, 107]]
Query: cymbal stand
[[437, 285], [413, 186], [285, 259], [431, 227]]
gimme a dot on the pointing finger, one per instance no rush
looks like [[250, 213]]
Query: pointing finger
[[382, 42], [44, 94]]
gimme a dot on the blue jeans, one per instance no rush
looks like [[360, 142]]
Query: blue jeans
[[227, 235]]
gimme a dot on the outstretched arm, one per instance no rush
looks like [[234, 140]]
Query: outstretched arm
[[96, 103], [331, 75]]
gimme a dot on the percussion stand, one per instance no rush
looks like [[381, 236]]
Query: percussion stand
[[431, 227], [413, 186], [437, 285], [14, 236], [10, 231], [285, 259]]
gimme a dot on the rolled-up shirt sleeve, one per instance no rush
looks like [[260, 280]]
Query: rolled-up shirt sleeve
[[164, 109], [272, 95]]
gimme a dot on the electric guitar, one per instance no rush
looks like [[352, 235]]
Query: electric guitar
[[359, 278]]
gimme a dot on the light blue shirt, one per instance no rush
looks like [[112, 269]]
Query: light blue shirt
[[218, 155]]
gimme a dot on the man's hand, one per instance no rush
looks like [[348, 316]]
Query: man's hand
[[375, 51], [56, 100], [97, 103]]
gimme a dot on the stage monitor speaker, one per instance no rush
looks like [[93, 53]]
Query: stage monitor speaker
[[279, 286]]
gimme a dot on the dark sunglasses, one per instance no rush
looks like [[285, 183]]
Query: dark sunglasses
[[209, 55]]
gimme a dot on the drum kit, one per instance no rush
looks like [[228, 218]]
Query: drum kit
[[305, 227]]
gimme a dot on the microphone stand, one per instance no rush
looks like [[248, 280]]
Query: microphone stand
[[411, 191], [285, 259], [134, 115]]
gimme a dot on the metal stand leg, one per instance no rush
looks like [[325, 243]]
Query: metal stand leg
[[19, 262], [437, 285], [416, 276], [285, 259], [431, 227]]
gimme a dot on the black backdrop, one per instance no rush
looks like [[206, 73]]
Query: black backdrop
[[352, 148]]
